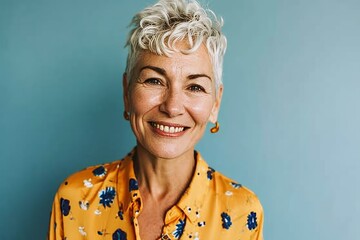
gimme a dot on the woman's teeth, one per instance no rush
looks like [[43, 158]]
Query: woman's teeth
[[167, 129]]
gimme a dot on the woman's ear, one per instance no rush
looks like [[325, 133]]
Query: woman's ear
[[126, 92], [216, 107]]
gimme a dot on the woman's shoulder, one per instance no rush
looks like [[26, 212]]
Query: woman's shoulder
[[238, 206], [230, 184], [89, 177], [226, 190], [234, 193]]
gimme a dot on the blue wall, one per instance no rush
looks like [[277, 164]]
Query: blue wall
[[290, 119]]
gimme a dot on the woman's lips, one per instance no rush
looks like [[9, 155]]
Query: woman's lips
[[168, 128]]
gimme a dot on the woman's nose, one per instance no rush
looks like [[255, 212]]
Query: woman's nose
[[173, 103]]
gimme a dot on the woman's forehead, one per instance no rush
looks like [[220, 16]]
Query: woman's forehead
[[197, 62]]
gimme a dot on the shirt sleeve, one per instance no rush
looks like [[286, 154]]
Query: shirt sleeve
[[55, 231]]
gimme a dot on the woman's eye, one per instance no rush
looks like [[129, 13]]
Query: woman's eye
[[152, 81], [196, 88]]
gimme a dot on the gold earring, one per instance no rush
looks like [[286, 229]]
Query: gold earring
[[126, 116], [216, 128]]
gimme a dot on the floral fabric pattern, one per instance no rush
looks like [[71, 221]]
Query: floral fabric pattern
[[133, 185], [210, 173], [65, 206], [119, 235], [107, 196], [252, 221], [99, 171], [179, 229], [103, 202], [226, 220]]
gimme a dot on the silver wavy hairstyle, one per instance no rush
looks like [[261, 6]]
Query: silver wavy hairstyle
[[159, 27]]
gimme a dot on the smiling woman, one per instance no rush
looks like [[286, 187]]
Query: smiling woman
[[167, 94], [163, 189]]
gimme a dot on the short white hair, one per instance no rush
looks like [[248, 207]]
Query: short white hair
[[159, 27]]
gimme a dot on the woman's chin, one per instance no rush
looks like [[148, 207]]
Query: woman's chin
[[170, 151]]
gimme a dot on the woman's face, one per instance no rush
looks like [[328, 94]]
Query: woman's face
[[170, 101]]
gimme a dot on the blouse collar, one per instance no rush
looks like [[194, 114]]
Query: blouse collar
[[191, 201]]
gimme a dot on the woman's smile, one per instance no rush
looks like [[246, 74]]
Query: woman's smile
[[168, 129]]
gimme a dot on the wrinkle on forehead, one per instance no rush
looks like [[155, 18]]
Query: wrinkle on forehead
[[178, 64]]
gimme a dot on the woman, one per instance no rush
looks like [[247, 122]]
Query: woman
[[163, 189]]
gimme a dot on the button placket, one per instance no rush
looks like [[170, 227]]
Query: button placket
[[135, 211]]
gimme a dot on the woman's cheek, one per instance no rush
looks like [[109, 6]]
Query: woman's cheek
[[201, 110], [144, 100]]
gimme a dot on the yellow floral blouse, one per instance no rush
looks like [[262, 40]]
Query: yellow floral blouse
[[103, 202]]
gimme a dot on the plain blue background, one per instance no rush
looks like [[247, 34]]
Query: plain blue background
[[290, 119]]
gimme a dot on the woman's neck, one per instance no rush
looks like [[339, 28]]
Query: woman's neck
[[161, 178]]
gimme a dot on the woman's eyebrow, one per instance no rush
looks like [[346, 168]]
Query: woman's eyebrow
[[156, 69], [193, 76], [163, 72]]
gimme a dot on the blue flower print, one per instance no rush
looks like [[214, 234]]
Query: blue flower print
[[210, 173], [121, 214], [226, 220], [133, 185], [107, 196], [65, 206], [252, 221], [99, 171], [119, 235], [179, 229], [235, 185]]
